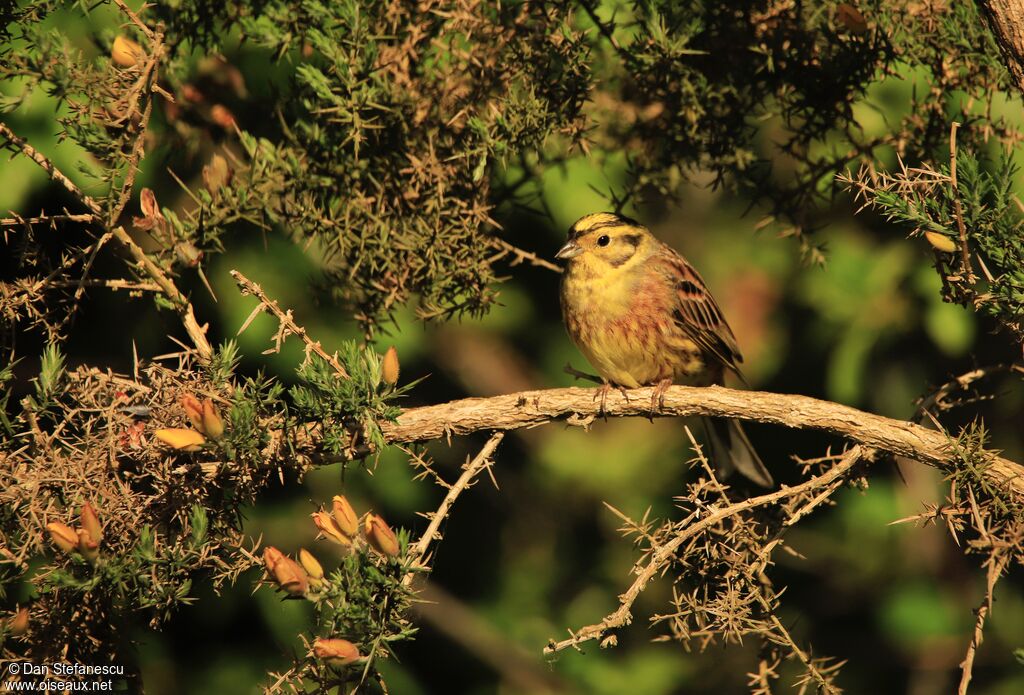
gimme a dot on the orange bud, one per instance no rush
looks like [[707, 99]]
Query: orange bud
[[217, 174], [380, 536], [329, 529], [271, 556], [193, 409], [335, 652], [390, 366], [345, 517], [313, 568], [63, 536], [183, 440], [940, 242], [850, 17], [222, 116], [213, 426], [285, 571], [91, 522], [125, 53], [18, 624], [88, 546]]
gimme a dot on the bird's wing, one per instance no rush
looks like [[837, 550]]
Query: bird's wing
[[698, 315]]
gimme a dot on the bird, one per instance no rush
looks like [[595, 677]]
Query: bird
[[643, 316]]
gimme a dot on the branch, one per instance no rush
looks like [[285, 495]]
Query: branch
[[667, 551], [196, 332], [579, 405], [996, 565], [288, 324], [470, 471], [1006, 20]]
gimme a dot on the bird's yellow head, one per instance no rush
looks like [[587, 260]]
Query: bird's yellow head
[[604, 241]]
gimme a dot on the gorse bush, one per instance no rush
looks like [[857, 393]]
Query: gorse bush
[[398, 145]]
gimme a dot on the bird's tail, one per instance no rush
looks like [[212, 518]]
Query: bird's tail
[[731, 450]]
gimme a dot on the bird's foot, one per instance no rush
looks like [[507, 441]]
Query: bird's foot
[[602, 393], [658, 396]]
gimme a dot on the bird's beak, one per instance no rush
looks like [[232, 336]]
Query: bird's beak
[[570, 250]]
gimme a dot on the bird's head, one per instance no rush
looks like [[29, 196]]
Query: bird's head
[[605, 241]]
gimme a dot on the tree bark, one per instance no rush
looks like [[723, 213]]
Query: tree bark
[[1006, 19], [580, 406]]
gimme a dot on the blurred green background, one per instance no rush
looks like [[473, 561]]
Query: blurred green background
[[521, 564]]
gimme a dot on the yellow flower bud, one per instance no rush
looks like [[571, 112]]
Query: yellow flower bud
[[63, 536], [390, 366], [335, 652], [91, 522], [217, 174], [213, 425], [345, 517], [380, 536], [181, 439], [940, 242], [18, 624], [88, 546], [285, 571], [313, 568], [330, 530], [125, 53], [193, 409]]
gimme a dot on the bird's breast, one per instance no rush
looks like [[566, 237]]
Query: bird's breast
[[627, 331]]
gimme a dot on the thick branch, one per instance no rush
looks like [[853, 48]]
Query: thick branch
[[1006, 19], [579, 406]]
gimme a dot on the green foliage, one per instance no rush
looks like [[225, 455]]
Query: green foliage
[[982, 204], [344, 407]]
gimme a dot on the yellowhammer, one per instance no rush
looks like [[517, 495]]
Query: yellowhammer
[[643, 316]]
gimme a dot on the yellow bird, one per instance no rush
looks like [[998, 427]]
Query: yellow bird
[[642, 316]]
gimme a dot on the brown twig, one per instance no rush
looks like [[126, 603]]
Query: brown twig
[[664, 553], [470, 471], [532, 408], [965, 254], [135, 19], [195, 332], [522, 255], [17, 221], [996, 565], [48, 166], [288, 324]]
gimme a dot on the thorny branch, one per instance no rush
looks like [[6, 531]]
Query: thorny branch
[[663, 554], [996, 565], [287, 323], [195, 332], [482, 461]]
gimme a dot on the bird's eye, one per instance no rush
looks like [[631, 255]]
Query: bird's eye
[[603, 240]]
